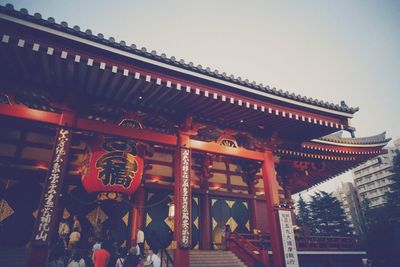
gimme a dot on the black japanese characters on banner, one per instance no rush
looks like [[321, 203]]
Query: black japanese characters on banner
[[48, 204], [288, 239], [185, 194]]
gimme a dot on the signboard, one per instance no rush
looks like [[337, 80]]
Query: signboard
[[288, 240], [113, 166], [48, 205], [186, 203]]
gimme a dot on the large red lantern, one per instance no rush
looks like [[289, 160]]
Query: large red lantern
[[114, 165]]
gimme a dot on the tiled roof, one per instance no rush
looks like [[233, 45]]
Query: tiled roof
[[111, 42], [338, 138]]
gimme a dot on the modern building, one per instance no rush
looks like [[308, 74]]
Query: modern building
[[134, 139], [373, 177], [348, 197]]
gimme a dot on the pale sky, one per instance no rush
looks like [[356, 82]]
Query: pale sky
[[330, 50]]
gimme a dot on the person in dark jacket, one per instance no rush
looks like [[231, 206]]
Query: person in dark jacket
[[132, 259]]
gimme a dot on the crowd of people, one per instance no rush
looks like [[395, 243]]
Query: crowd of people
[[71, 251]]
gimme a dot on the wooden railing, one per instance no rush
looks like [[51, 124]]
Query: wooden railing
[[309, 243], [315, 243], [246, 250], [258, 240]]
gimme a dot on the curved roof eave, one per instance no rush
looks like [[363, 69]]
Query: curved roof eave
[[62, 30], [336, 139]]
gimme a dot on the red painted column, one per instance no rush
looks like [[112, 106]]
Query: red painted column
[[253, 213], [137, 213], [205, 226], [271, 188], [181, 254]]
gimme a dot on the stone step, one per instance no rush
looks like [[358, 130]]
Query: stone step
[[212, 258], [217, 265], [217, 261], [13, 257]]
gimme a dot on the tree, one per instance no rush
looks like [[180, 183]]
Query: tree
[[303, 213], [327, 216]]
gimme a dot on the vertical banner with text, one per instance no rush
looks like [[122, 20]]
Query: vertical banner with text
[[185, 200], [47, 210], [288, 239]]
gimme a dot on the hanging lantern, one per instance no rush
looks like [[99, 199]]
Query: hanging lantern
[[114, 165]]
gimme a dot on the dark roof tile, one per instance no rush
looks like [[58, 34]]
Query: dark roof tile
[[63, 26], [338, 138]]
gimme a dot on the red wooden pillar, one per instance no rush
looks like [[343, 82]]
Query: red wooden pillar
[[182, 201], [137, 213], [253, 213], [272, 201], [205, 226]]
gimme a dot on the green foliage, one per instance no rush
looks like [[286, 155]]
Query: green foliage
[[323, 215], [303, 213], [328, 216]]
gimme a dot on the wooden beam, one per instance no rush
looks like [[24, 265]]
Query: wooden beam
[[23, 112], [26, 113], [229, 151], [115, 130]]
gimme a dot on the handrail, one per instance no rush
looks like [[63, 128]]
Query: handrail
[[257, 239], [169, 258], [163, 250], [245, 250]]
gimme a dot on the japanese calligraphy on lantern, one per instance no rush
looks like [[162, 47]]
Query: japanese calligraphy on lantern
[[114, 166], [288, 240], [186, 202], [48, 204]]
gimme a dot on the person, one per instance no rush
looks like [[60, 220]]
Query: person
[[76, 260], [263, 243], [74, 238], [114, 252], [63, 231], [56, 256], [153, 258], [224, 235], [121, 258], [140, 241], [101, 256], [132, 259], [77, 224], [138, 253], [96, 245]]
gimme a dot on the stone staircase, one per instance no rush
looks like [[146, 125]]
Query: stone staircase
[[214, 258], [13, 257]]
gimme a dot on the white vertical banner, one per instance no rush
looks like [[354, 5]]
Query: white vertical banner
[[288, 240]]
